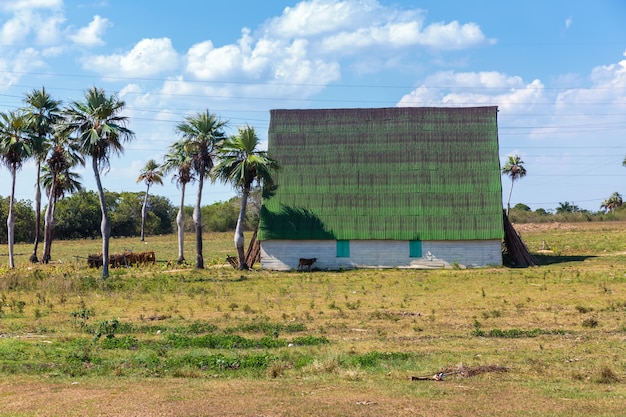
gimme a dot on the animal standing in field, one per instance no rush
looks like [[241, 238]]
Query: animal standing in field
[[306, 262]]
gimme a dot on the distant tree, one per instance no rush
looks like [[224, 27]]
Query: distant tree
[[150, 174], [567, 207], [514, 170], [24, 220], [521, 207], [161, 217], [240, 164], [125, 213], [15, 148], [77, 216], [542, 212], [611, 203], [221, 216], [101, 132], [43, 113], [201, 134], [179, 160]]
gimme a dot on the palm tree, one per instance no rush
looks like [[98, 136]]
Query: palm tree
[[201, 133], [15, 147], [101, 132], [567, 207], [179, 160], [58, 180], [240, 163], [611, 203], [43, 112], [515, 170], [150, 174]]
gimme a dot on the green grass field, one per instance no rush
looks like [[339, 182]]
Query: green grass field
[[172, 340]]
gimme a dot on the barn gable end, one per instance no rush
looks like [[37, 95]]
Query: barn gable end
[[427, 175]]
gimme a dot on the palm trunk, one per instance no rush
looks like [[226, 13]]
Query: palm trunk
[[180, 223], [105, 227], [33, 256], [144, 213], [49, 226], [11, 219], [197, 219], [508, 203], [239, 240]]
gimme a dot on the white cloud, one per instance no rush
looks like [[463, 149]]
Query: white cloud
[[308, 43], [269, 60], [17, 5], [608, 84], [148, 57], [91, 35], [27, 18], [350, 25], [475, 88], [315, 17], [12, 66], [568, 22]]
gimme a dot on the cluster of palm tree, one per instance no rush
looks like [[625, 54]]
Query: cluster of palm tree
[[59, 139], [204, 151], [610, 204]]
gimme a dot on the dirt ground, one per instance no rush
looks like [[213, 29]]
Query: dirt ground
[[274, 398]]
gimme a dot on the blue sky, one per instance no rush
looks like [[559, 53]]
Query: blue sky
[[556, 69]]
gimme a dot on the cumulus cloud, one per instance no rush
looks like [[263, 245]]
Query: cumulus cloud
[[268, 60], [11, 67], [608, 84], [91, 35], [475, 88], [308, 43], [18, 5], [148, 57], [41, 18]]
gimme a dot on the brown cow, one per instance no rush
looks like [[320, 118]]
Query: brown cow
[[306, 262]]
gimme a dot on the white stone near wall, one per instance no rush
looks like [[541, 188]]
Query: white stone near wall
[[283, 255]]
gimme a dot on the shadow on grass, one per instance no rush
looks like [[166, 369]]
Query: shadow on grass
[[544, 259], [559, 259]]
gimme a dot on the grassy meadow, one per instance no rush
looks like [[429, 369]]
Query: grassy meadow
[[171, 340]]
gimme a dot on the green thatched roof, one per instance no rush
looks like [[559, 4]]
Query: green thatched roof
[[389, 173]]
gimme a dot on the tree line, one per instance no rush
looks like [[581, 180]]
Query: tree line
[[78, 216], [93, 130]]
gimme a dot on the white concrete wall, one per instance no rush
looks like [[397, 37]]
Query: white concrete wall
[[283, 255]]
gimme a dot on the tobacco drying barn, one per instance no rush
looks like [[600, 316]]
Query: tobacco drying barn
[[383, 187]]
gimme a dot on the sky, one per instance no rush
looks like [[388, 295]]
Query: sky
[[556, 70]]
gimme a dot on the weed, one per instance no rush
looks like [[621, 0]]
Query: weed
[[607, 376], [590, 322], [81, 315]]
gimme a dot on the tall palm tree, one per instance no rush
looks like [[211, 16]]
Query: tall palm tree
[[43, 112], [101, 131], [240, 163], [201, 134], [58, 180], [178, 159], [514, 170], [611, 203], [150, 174], [15, 148]]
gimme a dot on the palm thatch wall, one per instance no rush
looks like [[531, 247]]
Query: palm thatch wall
[[385, 173]]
